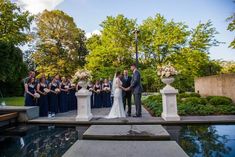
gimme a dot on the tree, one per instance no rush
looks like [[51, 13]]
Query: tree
[[160, 38], [60, 44], [14, 24], [203, 37], [227, 67], [11, 63], [112, 48], [231, 27]]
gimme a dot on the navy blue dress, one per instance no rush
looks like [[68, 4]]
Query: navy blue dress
[[54, 99], [43, 101], [97, 97], [89, 87], [29, 99], [63, 99], [106, 96], [72, 100]]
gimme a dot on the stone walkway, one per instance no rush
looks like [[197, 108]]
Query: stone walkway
[[69, 118]]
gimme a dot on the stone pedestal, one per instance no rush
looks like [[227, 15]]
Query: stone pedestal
[[169, 103], [83, 105]]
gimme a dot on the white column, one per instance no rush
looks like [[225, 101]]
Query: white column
[[169, 104], [83, 105]]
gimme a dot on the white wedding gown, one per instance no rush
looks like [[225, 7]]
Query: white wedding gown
[[117, 110]]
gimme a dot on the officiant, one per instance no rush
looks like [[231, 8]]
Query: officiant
[[126, 82]]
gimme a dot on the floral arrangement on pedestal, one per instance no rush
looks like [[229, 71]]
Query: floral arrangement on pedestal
[[166, 71], [82, 76]]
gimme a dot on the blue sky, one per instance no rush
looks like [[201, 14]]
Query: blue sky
[[88, 14]]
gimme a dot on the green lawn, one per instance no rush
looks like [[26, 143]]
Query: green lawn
[[13, 101]]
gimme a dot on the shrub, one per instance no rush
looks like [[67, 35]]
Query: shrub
[[186, 95], [193, 101], [219, 100]]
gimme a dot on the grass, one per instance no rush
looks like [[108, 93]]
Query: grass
[[13, 101]]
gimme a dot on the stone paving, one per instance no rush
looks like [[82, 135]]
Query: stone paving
[[93, 148], [69, 118], [126, 132]]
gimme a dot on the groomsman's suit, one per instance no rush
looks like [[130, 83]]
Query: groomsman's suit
[[137, 90], [126, 82]]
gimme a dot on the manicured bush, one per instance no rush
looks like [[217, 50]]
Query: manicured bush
[[186, 95], [194, 106], [193, 101], [219, 100]]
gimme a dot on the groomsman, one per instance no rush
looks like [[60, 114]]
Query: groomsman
[[126, 82]]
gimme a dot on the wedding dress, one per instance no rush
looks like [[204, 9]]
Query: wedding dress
[[117, 110]]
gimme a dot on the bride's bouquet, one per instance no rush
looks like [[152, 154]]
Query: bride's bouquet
[[166, 71], [81, 75]]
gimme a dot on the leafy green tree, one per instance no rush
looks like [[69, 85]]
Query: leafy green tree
[[231, 27], [227, 67], [113, 49], [14, 24], [203, 37], [11, 63], [60, 44], [160, 38]]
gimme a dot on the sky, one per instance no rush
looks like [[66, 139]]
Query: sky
[[88, 14]]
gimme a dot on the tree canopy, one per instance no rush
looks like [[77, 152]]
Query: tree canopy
[[60, 46], [14, 24]]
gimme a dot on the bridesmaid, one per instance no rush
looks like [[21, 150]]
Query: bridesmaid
[[97, 95], [90, 88], [106, 94], [64, 88], [30, 90], [72, 101], [54, 98], [43, 100]]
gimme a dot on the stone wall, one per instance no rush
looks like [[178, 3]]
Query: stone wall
[[216, 85]]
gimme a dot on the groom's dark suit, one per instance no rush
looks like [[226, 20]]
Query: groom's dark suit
[[126, 95], [137, 90]]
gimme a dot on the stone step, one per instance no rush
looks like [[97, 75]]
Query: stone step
[[90, 148], [126, 132]]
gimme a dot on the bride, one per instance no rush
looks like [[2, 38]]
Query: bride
[[117, 110]]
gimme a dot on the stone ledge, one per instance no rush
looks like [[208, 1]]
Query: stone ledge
[[126, 132], [25, 113], [89, 148]]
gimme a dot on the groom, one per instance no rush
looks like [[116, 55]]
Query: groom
[[136, 89]]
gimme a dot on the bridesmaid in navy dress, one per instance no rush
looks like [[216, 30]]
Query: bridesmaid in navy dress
[[54, 98], [30, 90], [72, 98], [64, 88], [43, 100], [106, 94], [97, 95], [90, 88]]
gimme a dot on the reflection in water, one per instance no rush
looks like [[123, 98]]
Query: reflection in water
[[38, 141], [204, 140]]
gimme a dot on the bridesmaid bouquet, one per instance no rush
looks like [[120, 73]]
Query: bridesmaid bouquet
[[66, 87], [166, 71], [81, 74], [57, 90], [73, 85], [37, 95], [46, 90]]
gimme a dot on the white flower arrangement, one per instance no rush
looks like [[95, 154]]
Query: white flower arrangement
[[81, 74], [166, 71], [37, 95], [66, 87], [46, 90]]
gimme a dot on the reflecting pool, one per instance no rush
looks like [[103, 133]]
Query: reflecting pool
[[40, 141], [205, 140]]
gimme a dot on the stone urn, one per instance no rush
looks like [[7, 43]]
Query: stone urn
[[168, 81]]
